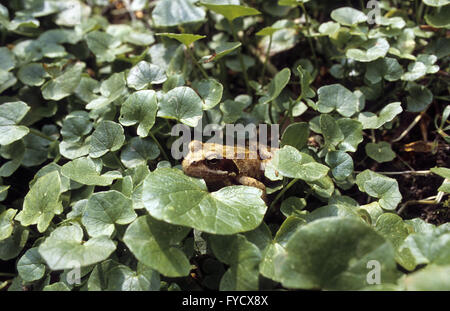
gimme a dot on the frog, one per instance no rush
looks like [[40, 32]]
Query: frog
[[219, 165]]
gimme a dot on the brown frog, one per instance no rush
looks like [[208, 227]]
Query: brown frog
[[220, 166]]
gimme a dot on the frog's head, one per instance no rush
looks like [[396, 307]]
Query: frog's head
[[206, 160]]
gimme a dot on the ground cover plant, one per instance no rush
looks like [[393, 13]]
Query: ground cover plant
[[92, 198]]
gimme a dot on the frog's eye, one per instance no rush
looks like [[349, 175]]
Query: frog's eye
[[212, 161]]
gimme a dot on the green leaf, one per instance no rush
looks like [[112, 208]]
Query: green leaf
[[243, 259], [104, 210], [154, 243], [338, 251], [296, 135], [352, 131], [42, 202], [65, 248], [169, 13], [75, 126], [419, 97], [182, 104], [186, 38], [380, 187], [337, 97], [31, 266], [305, 81], [386, 68], [122, 278], [210, 90], [86, 172], [7, 223], [276, 86], [371, 121], [57, 287], [13, 245], [330, 130], [32, 74], [10, 115], [289, 162], [267, 31], [171, 196], [63, 85], [429, 247], [231, 11], [223, 49], [7, 60], [293, 206], [341, 164], [103, 45], [394, 229], [436, 3], [138, 151], [140, 107], [373, 50], [348, 16], [145, 73], [380, 152], [108, 136], [440, 19], [441, 171], [430, 278]]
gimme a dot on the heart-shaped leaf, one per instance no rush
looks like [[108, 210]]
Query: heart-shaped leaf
[[171, 196], [290, 162], [380, 187], [337, 97], [380, 152], [145, 73], [140, 108], [65, 248], [104, 210], [42, 202], [182, 104], [86, 172], [10, 115], [108, 136], [153, 243]]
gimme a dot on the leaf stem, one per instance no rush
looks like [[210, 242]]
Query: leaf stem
[[267, 58], [122, 167], [202, 70], [402, 173], [241, 58], [282, 192], [308, 23], [40, 134], [159, 146]]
